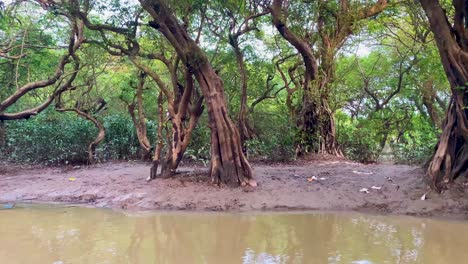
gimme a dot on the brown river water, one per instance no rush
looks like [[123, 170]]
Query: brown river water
[[54, 234]]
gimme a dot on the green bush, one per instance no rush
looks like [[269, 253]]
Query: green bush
[[62, 138], [199, 146], [357, 139], [275, 136], [358, 146], [416, 146], [361, 140], [50, 138], [121, 141]]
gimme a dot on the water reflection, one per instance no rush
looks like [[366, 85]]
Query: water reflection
[[77, 235]]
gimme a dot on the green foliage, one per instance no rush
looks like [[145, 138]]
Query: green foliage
[[367, 123], [275, 133], [51, 138], [121, 141], [358, 140], [415, 146], [199, 147], [62, 138]]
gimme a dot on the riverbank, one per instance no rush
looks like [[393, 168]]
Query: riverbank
[[327, 185]]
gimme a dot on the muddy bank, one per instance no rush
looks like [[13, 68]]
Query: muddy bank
[[315, 185]]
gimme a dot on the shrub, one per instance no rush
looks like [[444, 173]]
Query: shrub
[[62, 138], [49, 138]]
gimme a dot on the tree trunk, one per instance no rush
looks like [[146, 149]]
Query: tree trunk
[[429, 99], [181, 130], [140, 122], [3, 132], [245, 130], [99, 138], [316, 124], [159, 139], [228, 163], [450, 159]]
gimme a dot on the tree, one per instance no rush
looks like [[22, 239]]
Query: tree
[[182, 100], [137, 113], [332, 23], [62, 78], [239, 17], [228, 163], [450, 159]]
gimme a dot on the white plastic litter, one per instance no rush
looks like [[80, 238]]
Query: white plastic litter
[[424, 197], [364, 190]]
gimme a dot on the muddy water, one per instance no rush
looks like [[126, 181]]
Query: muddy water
[[79, 235]]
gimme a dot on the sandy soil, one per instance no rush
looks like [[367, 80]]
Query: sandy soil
[[122, 185]]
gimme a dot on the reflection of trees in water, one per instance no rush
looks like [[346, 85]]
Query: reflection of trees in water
[[90, 236]]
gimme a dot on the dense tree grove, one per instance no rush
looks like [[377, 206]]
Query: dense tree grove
[[224, 82]]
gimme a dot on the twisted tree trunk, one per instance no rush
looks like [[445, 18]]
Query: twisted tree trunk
[[245, 130], [316, 122], [159, 140], [316, 125], [429, 99], [228, 163], [140, 121], [182, 132], [450, 159]]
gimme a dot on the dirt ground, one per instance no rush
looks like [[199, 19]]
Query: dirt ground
[[392, 189]]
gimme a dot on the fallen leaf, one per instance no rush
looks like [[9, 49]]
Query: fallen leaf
[[71, 179]]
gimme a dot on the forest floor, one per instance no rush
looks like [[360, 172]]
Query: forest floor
[[392, 189]]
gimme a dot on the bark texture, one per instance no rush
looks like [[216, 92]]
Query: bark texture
[[228, 163], [450, 159], [245, 130], [139, 119], [159, 139], [184, 108]]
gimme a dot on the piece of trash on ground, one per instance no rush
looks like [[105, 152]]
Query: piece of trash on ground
[[364, 190], [311, 179], [72, 179], [423, 197], [376, 187], [361, 172], [8, 206], [322, 178]]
